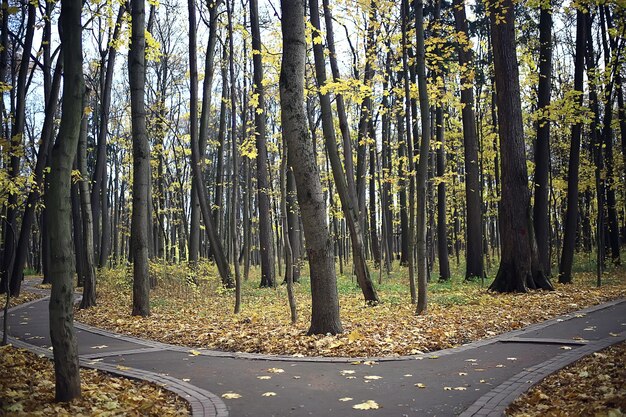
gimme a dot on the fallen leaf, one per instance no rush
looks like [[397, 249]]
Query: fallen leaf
[[231, 395], [99, 347], [122, 367], [186, 379], [264, 377], [346, 372], [345, 399], [367, 405], [447, 388], [194, 352], [462, 373], [566, 347], [460, 388], [269, 394], [275, 370], [372, 377], [420, 385]]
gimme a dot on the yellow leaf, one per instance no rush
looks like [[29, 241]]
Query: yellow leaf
[[367, 405], [420, 385], [354, 335], [194, 352], [269, 394], [264, 377], [231, 395], [275, 371], [372, 377], [345, 399]]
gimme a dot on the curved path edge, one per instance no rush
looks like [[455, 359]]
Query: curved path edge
[[495, 402], [203, 403]]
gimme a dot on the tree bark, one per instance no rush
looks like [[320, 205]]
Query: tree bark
[[541, 216], [263, 185], [141, 162], [89, 278], [474, 251], [422, 166], [571, 215], [519, 267], [325, 302], [66, 370]]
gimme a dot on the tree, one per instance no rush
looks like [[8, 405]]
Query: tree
[[319, 245], [141, 161], [89, 277], [519, 268], [422, 166], [474, 248], [65, 349], [263, 185], [347, 194], [541, 217], [571, 214]]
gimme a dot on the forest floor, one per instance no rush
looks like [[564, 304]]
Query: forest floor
[[201, 315], [593, 386]]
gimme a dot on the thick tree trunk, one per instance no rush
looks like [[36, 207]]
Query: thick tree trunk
[[519, 268], [325, 300], [541, 215], [571, 215], [66, 370], [141, 162], [474, 252]]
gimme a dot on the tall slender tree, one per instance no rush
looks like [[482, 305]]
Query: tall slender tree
[[319, 244], [263, 185], [65, 349], [571, 214], [474, 244], [541, 216], [141, 161]]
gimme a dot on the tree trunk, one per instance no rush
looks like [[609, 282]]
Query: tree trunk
[[519, 267], [541, 216], [66, 370], [141, 162], [197, 159], [89, 279], [422, 166], [348, 200], [325, 300], [442, 225], [473, 252], [263, 185], [571, 215]]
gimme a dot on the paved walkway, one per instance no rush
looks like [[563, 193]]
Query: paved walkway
[[478, 379]]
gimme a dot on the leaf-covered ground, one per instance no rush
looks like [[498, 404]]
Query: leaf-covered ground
[[24, 297], [27, 387], [593, 386], [201, 315]]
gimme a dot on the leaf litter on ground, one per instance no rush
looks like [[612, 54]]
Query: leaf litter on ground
[[458, 313], [27, 387]]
